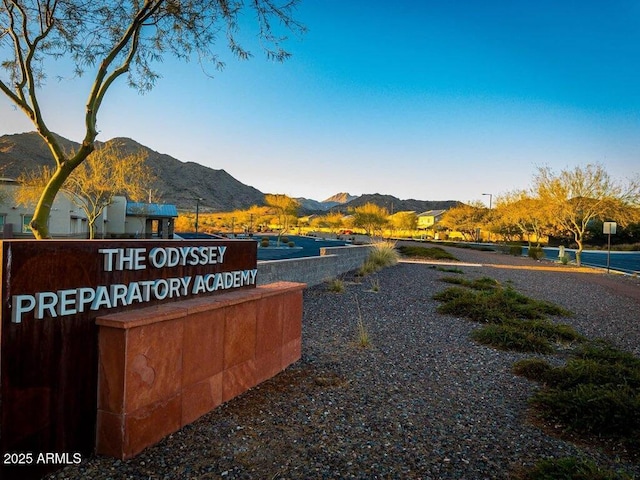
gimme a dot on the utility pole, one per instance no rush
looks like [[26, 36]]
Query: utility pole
[[197, 213]]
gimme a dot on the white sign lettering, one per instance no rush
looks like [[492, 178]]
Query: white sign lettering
[[79, 300]]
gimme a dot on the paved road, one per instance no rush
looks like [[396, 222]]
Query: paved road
[[628, 262]]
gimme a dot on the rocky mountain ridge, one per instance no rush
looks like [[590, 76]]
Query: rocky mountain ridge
[[182, 183]]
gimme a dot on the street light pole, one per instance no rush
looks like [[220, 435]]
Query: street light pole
[[490, 205], [197, 213]]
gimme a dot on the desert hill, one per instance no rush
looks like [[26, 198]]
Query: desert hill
[[181, 183], [394, 204]]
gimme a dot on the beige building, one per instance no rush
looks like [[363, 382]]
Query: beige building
[[120, 219], [426, 220]]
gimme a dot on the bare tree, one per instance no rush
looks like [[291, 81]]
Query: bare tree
[[94, 183], [576, 197], [112, 39]]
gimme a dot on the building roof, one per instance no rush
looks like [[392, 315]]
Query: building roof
[[432, 213], [139, 209]]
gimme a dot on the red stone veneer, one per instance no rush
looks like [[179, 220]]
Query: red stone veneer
[[161, 368]]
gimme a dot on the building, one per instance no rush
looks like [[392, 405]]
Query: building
[[426, 220], [120, 219]]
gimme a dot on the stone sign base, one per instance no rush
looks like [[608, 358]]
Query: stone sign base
[[162, 367]]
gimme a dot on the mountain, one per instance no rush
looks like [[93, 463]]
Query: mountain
[[179, 183], [309, 205], [339, 198], [394, 204], [182, 183]]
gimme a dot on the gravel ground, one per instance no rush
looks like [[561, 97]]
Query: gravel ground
[[423, 401]]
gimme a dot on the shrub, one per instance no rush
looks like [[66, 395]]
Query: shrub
[[564, 259], [367, 267], [291, 244], [433, 253], [484, 283], [594, 409], [532, 368], [515, 250], [335, 285], [578, 371], [597, 392], [364, 339], [602, 351], [536, 253], [569, 468], [493, 304], [284, 239], [510, 337], [382, 255], [449, 270], [264, 242]]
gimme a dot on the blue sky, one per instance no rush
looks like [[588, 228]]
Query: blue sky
[[433, 100]]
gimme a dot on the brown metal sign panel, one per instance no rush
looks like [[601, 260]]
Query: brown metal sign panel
[[52, 292]]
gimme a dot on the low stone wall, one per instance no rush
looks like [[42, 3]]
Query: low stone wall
[[160, 368], [332, 262]]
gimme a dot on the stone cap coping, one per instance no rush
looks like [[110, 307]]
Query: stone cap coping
[[171, 311]]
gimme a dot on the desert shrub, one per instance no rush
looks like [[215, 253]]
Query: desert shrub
[[511, 337], [578, 371], [493, 305], [532, 368], [363, 337], [515, 250], [596, 392], [564, 259], [556, 332], [600, 364], [603, 351], [452, 293], [484, 283], [594, 409], [569, 468], [335, 285], [367, 268], [383, 254], [291, 244], [536, 253], [449, 270], [284, 240], [432, 253], [264, 242]]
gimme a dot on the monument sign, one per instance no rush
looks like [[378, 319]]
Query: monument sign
[[52, 293]]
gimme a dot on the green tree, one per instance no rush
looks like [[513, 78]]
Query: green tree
[[332, 220], [519, 211], [466, 219], [92, 186], [404, 221], [108, 40], [371, 218], [576, 197], [285, 209]]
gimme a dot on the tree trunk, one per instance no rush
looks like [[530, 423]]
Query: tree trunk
[[40, 221], [579, 251]]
